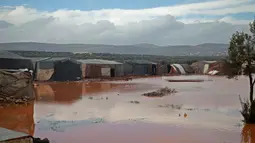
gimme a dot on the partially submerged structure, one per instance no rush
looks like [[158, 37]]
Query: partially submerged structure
[[43, 68], [57, 69], [97, 68], [11, 61], [67, 70], [163, 69], [181, 69], [139, 68], [201, 67], [208, 67], [217, 68]]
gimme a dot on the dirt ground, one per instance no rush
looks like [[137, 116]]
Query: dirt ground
[[116, 111]]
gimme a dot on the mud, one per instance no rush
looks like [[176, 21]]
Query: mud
[[160, 92], [116, 112]]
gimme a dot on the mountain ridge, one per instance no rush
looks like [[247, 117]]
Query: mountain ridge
[[206, 49]]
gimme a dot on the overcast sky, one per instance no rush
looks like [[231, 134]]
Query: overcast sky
[[127, 22]]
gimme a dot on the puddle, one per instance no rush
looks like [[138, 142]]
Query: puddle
[[116, 112]]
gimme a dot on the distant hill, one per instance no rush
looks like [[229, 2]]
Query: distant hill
[[209, 49]]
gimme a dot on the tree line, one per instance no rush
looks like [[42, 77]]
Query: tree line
[[120, 57]]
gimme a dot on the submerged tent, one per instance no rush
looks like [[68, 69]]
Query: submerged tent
[[213, 72], [98, 68], [163, 69], [139, 67], [181, 69], [44, 67], [67, 70], [57, 69], [217, 68], [202, 67], [208, 67]]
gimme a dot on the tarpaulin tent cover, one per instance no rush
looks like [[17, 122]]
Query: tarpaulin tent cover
[[6, 134]]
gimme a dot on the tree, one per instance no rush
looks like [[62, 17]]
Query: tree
[[241, 61]]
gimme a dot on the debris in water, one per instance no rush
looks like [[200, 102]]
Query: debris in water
[[190, 109], [99, 120], [135, 102], [171, 105], [160, 93], [95, 98]]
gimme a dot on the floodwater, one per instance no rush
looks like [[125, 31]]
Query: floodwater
[[102, 112]]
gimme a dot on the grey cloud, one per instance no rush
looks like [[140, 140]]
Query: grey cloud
[[164, 30]]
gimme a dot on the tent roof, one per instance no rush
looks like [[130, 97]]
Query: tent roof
[[37, 59], [48, 59], [6, 134], [98, 61]]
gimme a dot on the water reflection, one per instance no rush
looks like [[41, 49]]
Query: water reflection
[[58, 92], [69, 92], [248, 134], [208, 114], [18, 118]]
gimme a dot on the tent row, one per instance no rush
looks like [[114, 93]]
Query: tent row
[[66, 69]]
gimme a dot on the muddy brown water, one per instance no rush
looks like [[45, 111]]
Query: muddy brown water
[[103, 112]]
